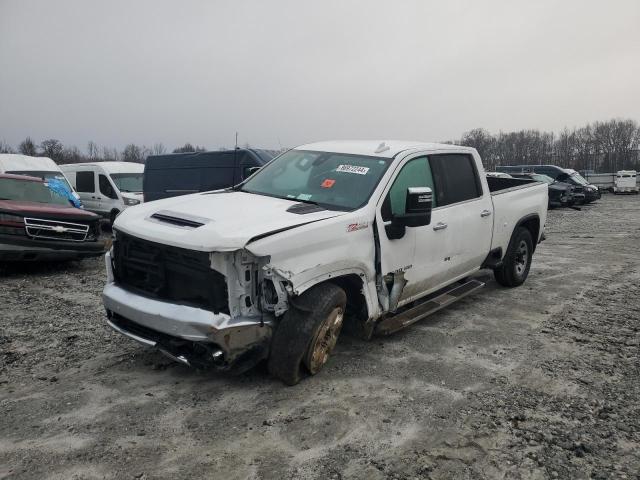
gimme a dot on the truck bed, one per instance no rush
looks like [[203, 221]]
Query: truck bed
[[513, 200], [499, 185]]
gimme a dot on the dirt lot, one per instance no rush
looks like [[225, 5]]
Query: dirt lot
[[541, 381]]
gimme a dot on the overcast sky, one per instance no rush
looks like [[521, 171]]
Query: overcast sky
[[291, 72]]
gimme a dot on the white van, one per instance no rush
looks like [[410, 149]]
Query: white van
[[42, 167], [626, 182], [106, 188]]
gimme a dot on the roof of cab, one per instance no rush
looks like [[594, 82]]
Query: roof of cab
[[379, 148], [16, 161]]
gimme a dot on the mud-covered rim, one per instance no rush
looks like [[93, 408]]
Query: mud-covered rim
[[522, 258], [324, 341]]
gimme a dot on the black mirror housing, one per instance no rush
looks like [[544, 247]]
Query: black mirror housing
[[417, 212]]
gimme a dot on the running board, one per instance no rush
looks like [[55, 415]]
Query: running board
[[401, 320]]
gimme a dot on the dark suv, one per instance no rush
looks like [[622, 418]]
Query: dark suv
[[561, 194], [566, 175]]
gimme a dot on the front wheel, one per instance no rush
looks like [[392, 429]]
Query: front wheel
[[307, 333], [517, 262]]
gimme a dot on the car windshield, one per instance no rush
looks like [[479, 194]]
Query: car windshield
[[45, 175], [128, 182], [29, 191], [335, 181], [543, 178], [579, 179]]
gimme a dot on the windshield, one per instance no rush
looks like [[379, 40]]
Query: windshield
[[128, 182], [543, 178], [336, 181], [45, 175], [579, 179], [29, 191]]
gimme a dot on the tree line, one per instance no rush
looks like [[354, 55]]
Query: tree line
[[601, 147], [55, 150]]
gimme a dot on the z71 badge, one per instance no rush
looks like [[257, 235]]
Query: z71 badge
[[352, 227]]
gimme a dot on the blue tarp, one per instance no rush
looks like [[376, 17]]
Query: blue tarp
[[62, 189]]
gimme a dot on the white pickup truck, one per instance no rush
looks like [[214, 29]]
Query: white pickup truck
[[373, 235]]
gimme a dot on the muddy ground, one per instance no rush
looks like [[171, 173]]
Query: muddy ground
[[542, 381]]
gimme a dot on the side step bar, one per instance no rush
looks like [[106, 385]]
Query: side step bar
[[431, 305]]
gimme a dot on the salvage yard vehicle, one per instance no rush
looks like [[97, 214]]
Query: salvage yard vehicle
[[36, 223], [42, 167], [106, 188], [177, 174], [626, 182], [566, 175], [373, 235], [560, 193]]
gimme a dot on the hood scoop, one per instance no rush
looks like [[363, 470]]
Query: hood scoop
[[304, 208], [178, 219]]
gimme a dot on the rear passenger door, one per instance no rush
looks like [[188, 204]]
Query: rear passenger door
[[465, 212]]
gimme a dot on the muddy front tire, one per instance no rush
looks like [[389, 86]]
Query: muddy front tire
[[307, 333], [517, 262]]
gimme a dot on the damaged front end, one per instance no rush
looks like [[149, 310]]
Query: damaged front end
[[202, 309]]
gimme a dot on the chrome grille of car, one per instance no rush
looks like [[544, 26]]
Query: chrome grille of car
[[41, 228]]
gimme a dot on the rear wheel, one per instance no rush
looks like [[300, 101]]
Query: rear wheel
[[517, 262], [307, 333]]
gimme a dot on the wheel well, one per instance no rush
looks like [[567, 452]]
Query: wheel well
[[356, 314], [533, 225]]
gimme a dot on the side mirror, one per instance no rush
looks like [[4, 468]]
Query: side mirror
[[417, 212]]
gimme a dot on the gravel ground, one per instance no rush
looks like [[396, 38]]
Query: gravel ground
[[541, 381]]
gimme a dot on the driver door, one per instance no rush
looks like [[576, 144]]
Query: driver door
[[425, 272]]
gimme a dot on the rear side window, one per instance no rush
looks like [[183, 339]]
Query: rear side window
[[455, 178], [85, 182]]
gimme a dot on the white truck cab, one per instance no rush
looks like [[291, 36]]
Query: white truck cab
[[376, 235], [626, 182], [106, 188]]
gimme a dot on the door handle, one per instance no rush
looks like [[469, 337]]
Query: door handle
[[485, 213], [440, 226]]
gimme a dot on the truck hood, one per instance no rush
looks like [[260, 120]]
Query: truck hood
[[229, 220], [45, 210]]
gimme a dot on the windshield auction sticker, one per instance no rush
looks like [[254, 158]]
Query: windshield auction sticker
[[352, 169]]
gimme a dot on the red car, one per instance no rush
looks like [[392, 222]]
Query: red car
[[38, 224]]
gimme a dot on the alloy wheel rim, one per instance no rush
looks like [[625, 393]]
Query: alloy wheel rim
[[325, 341]]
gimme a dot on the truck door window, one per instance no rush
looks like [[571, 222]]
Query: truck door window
[[85, 182], [455, 177], [415, 173], [106, 188]]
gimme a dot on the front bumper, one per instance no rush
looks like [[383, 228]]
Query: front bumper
[[188, 334], [16, 248]]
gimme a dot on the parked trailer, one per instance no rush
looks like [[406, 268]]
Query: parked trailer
[[626, 182]]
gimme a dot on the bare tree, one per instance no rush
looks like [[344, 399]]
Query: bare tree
[[5, 147], [132, 153], [28, 147], [72, 155], [187, 148], [158, 149], [93, 152], [52, 148]]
